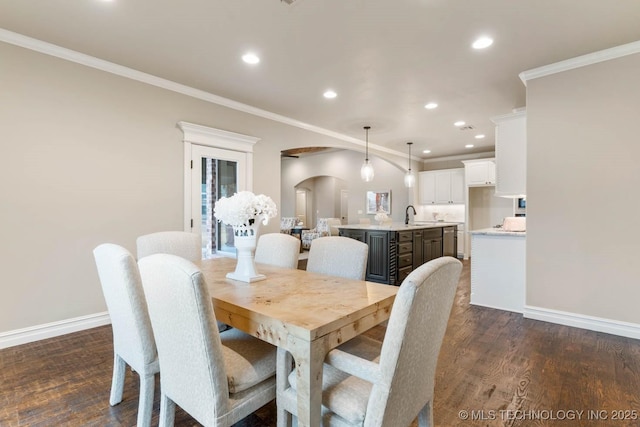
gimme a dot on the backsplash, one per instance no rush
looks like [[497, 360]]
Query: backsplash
[[450, 213]]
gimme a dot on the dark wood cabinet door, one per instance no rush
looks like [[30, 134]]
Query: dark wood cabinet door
[[378, 265], [417, 249], [431, 249]]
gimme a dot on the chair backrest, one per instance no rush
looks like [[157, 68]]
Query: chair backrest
[[338, 256], [281, 250], [192, 364], [180, 243], [322, 227], [412, 343], [120, 279], [332, 223], [287, 223]]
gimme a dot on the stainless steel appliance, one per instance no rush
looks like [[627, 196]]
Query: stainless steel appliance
[[449, 240]]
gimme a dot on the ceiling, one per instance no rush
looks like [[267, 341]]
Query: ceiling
[[385, 58]]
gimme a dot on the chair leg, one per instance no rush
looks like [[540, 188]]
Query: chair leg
[[425, 418], [283, 417], [284, 366], [145, 402], [167, 411], [117, 382]]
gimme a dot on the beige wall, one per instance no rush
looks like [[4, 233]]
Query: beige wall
[[345, 165], [89, 157], [582, 185]]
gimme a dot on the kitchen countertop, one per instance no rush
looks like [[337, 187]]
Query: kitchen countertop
[[498, 232], [398, 226]]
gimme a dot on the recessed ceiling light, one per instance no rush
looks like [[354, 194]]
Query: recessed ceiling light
[[330, 94], [482, 42], [481, 136], [431, 106], [468, 146], [250, 58], [459, 123], [426, 151]]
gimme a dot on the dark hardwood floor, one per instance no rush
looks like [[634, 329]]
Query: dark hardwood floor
[[495, 369]]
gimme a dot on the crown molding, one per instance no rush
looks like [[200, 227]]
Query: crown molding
[[90, 61], [461, 157], [581, 61]]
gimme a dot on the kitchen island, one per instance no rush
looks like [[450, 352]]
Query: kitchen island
[[396, 249], [498, 269]]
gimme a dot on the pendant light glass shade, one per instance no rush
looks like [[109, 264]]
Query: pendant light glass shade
[[409, 177], [366, 171]]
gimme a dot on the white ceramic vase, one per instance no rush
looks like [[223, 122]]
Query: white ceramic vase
[[245, 239]]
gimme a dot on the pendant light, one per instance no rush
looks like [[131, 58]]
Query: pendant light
[[366, 171], [409, 178]]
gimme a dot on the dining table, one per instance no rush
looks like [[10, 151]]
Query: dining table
[[304, 313]]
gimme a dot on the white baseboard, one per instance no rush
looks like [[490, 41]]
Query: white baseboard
[[598, 324], [53, 329]]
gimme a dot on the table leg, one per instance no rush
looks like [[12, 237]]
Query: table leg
[[309, 359]]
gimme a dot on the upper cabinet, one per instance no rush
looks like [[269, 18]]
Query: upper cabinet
[[480, 172], [511, 154], [442, 187]]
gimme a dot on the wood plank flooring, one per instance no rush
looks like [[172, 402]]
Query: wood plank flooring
[[495, 369]]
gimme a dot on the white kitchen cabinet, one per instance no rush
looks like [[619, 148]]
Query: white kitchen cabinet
[[480, 172], [511, 154], [427, 187], [442, 187]]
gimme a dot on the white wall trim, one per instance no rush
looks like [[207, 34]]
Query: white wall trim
[[218, 138], [581, 61], [460, 157], [122, 71], [53, 329], [598, 324]]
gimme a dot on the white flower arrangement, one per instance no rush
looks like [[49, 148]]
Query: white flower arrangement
[[381, 216], [244, 208]]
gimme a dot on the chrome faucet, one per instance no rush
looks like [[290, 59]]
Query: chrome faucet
[[406, 214]]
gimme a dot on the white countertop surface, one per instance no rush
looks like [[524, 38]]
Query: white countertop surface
[[499, 232], [398, 226]]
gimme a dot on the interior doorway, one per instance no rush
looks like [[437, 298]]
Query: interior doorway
[[344, 207], [301, 206]]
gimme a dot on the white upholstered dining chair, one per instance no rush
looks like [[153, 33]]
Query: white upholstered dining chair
[[218, 378], [180, 243], [390, 383], [133, 342], [338, 256], [279, 249]]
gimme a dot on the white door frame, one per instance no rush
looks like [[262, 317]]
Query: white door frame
[[233, 143]]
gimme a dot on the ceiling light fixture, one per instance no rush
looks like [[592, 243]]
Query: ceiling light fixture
[[481, 136], [468, 146], [409, 178], [330, 94], [366, 171], [426, 151], [250, 58], [459, 123], [431, 106], [482, 42]]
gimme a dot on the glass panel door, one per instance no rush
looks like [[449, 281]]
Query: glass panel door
[[216, 173]]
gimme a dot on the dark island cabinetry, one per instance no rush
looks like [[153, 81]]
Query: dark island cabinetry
[[394, 252]]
